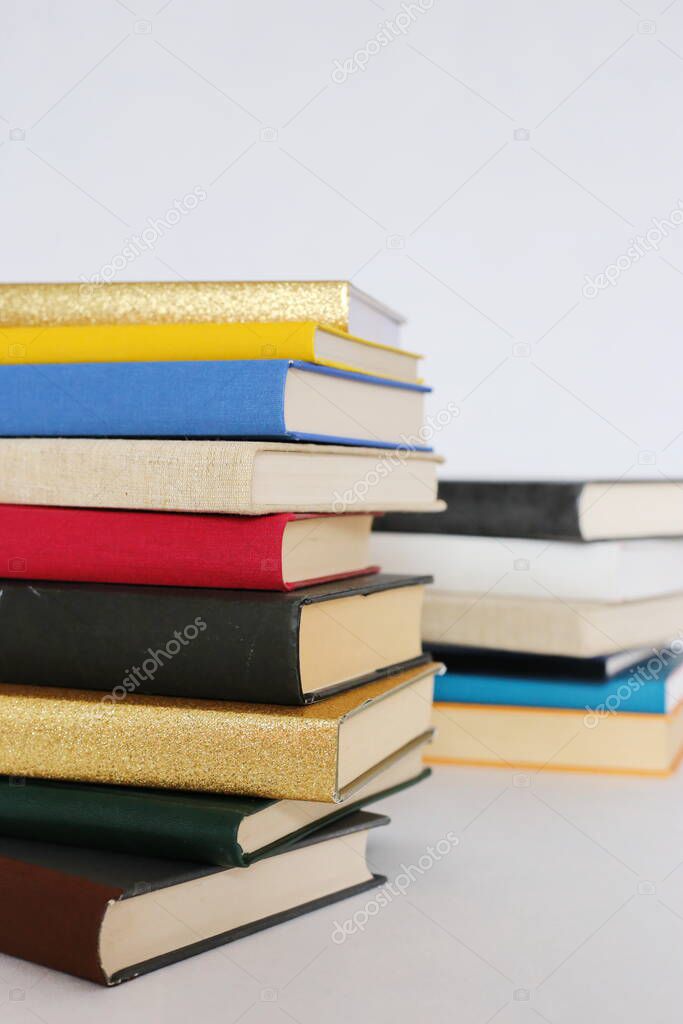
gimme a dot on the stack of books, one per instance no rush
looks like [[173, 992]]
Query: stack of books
[[558, 610], [204, 678]]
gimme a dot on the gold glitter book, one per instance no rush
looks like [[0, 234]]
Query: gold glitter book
[[337, 304], [325, 751]]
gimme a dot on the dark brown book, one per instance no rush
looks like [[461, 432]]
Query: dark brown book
[[109, 917]]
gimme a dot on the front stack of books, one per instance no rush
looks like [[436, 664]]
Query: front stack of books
[[204, 678], [558, 610]]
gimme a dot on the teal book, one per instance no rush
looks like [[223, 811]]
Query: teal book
[[653, 686], [229, 831]]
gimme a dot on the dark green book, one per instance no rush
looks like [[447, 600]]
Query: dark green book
[[230, 831]]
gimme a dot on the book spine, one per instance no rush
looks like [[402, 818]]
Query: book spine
[[41, 305], [170, 641], [548, 510], [105, 546], [169, 399], [204, 746], [52, 918]]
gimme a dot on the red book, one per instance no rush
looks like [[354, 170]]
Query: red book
[[278, 552]]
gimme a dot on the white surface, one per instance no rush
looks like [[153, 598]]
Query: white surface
[[565, 887], [407, 177], [508, 566]]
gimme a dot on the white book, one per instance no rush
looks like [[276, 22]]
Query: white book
[[604, 571]]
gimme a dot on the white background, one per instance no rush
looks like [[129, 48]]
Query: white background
[[127, 107], [564, 898]]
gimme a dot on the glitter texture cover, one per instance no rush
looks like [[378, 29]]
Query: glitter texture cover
[[164, 302], [212, 746]]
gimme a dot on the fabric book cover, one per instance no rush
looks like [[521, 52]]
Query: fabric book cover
[[579, 510], [280, 552], [562, 739], [239, 645], [638, 690], [607, 570], [230, 477], [325, 751], [110, 917], [112, 343], [549, 626], [491, 661], [274, 399]]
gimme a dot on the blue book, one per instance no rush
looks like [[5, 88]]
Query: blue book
[[261, 399], [653, 686]]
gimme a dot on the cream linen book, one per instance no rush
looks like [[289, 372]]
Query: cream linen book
[[509, 737], [580, 629], [236, 477], [335, 303]]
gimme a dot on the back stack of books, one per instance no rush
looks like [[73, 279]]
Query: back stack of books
[[558, 610], [204, 678]]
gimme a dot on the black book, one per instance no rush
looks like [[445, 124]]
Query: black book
[[488, 662], [109, 917], [238, 645], [554, 510]]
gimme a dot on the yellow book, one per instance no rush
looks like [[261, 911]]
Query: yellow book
[[335, 303], [324, 751], [114, 343], [549, 739]]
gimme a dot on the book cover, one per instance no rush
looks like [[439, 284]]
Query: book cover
[[240, 645], [557, 739], [173, 825], [335, 303], [492, 661], [220, 399], [231, 477], [110, 917], [160, 548], [607, 570], [112, 343], [500, 509], [579, 510], [530, 625], [325, 751], [638, 690]]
